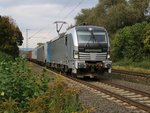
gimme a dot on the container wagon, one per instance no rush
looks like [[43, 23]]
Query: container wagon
[[34, 55], [41, 55]]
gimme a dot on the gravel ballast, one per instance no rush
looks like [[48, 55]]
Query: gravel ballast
[[103, 105], [137, 86]]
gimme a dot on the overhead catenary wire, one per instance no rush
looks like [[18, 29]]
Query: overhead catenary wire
[[58, 14], [38, 31], [61, 10], [64, 8], [74, 9]]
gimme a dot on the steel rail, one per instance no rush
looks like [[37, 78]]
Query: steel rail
[[145, 75], [122, 98], [107, 92], [126, 88]]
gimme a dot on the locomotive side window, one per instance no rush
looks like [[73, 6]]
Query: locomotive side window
[[66, 40]]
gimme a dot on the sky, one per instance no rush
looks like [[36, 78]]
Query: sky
[[36, 18]]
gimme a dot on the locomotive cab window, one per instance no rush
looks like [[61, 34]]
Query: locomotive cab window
[[88, 37]]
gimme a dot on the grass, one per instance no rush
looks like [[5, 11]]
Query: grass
[[131, 68], [143, 66]]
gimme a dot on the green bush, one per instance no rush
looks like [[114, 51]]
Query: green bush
[[147, 39], [21, 90], [59, 98], [131, 43], [19, 83]]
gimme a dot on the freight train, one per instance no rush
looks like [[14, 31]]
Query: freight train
[[81, 51]]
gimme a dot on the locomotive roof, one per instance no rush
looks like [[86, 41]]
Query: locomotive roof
[[89, 26], [83, 27]]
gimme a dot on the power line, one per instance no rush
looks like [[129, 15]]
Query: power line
[[61, 10], [64, 7], [39, 31], [58, 30], [59, 13], [74, 9], [43, 37]]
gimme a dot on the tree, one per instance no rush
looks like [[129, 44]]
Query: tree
[[10, 36], [110, 3], [114, 14], [140, 6], [146, 39], [119, 16], [83, 16], [101, 14], [132, 42], [40, 44]]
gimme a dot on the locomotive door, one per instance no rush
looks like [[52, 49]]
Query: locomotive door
[[68, 49]]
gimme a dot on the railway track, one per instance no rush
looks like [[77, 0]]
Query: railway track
[[126, 88], [137, 74], [138, 99], [135, 98]]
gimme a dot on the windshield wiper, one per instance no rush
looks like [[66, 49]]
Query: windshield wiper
[[92, 38]]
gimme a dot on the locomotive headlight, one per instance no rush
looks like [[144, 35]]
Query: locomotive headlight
[[108, 56], [75, 54]]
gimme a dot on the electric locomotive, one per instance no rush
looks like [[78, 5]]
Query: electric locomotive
[[82, 51]]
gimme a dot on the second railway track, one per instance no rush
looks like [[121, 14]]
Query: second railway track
[[137, 74]]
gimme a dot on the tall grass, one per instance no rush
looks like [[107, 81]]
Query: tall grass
[[128, 64], [59, 98], [142, 64]]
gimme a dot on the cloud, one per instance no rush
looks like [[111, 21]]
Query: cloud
[[10, 3], [39, 16], [34, 13]]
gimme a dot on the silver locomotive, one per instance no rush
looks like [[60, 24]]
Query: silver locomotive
[[82, 51]]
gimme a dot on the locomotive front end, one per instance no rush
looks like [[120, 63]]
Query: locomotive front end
[[92, 55]]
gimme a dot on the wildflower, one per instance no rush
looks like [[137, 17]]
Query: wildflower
[[2, 93]]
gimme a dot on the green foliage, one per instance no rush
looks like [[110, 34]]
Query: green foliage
[[140, 6], [59, 98], [145, 64], [146, 40], [114, 14], [23, 91], [4, 57], [19, 83], [40, 44], [87, 15], [130, 43], [10, 36]]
